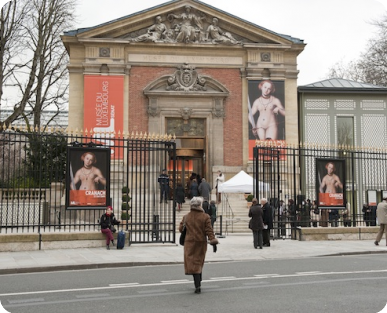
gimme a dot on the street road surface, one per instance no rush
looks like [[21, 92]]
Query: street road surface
[[323, 284]]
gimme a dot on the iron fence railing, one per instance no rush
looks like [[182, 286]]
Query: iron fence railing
[[34, 178], [295, 174]]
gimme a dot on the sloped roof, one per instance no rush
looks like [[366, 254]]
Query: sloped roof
[[341, 85], [76, 32]]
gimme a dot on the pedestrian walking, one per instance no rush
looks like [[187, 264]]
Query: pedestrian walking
[[212, 213], [179, 196], [381, 214], [205, 189], [198, 226]]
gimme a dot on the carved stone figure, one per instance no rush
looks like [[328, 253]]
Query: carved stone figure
[[217, 35], [190, 28], [186, 27], [155, 33], [186, 113]]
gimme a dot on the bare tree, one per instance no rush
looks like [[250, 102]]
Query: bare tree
[[40, 75], [373, 63], [350, 71], [371, 67], [12, 17]]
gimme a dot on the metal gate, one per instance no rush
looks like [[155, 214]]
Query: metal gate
[[267, 185], [292, 174], [151, 220]]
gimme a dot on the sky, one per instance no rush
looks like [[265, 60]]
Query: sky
[[333, 30]]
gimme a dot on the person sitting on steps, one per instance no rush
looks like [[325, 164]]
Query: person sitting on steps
[[107, 222]]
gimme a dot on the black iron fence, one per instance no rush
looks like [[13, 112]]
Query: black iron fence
[[34, 177], [346, 184]]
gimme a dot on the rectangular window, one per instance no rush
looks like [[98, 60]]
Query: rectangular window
[[345, 131]]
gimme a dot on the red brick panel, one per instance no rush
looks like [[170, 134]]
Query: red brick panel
[[140, 77]]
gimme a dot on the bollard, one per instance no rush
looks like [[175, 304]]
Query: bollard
[[221, 227]]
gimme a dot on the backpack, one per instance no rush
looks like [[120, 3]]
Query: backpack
[[206, 207]]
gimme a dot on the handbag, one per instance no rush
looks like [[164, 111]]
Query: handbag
[[112, 229], [182, 235], [251, 223]]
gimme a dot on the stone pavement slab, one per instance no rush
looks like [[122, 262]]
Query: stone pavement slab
[[235, 247]]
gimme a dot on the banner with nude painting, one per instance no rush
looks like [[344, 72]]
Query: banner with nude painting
[[88, 178], [330, 183], [266, 115], [104, 109]]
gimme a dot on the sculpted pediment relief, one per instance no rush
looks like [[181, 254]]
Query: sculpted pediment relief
[[184, 22], [187, 26]]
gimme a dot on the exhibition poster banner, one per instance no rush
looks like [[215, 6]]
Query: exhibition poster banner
[[330, 183], [266, 114], [104, 108], [371, 197], [88, 178]]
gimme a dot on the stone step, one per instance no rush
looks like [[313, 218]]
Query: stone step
[[238, 223]]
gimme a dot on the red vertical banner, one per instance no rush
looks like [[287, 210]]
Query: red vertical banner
[[104, 108]]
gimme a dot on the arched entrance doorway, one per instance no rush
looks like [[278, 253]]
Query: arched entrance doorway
[[190, 161], [194, 114]]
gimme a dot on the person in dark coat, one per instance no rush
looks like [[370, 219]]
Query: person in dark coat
[[205, 189], [194, 192], [206, 207], [256, 223], [267, 221], [106, 221], [179, 195], [334, 216], [198, 226], [366, 214], [163, 181], [292, 214], [212, 213]]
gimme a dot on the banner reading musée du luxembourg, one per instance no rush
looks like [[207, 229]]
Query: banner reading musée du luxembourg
[[104, 108]]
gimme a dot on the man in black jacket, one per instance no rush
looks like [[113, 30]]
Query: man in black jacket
[[256, 223], [163, 181], [267, 221]]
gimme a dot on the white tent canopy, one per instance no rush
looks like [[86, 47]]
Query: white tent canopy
[[241, 183]]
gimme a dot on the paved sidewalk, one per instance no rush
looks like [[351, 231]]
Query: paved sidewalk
[[234, 247]]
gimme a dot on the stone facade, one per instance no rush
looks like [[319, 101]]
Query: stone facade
[[186, 60]]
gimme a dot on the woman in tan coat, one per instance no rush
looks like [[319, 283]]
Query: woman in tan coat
[[198, 225]]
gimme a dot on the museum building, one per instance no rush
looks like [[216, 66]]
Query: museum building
[[185, 68]]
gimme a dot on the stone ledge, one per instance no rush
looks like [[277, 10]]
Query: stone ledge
[[50, 241], [335, 233], [6, 238]]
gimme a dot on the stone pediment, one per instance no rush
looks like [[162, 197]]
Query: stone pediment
[[184, 22]]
